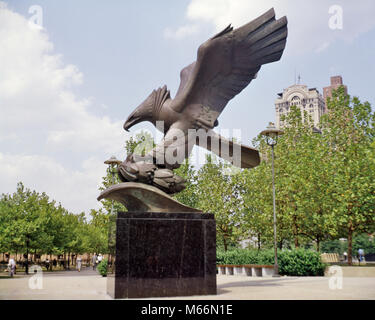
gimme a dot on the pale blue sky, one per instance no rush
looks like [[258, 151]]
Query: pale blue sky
[[126, 49], [120, 48]]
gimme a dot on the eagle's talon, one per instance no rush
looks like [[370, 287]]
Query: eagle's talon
[[163, 179]]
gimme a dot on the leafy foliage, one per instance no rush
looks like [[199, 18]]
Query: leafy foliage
[[102, 267], [301, 262], [189, 196], [297, 262], [361, 241], [237, 256], [219, 193], [30, 221]]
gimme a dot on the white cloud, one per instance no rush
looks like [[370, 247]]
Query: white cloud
[[49, 138], [75, 189], [308, 20], [35, 90], [181, 32]]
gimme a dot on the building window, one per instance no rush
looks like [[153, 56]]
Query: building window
[[296, 101]]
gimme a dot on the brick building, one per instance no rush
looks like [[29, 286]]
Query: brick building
[[336, 82]]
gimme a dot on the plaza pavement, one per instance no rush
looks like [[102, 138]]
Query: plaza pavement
[[89, 285]]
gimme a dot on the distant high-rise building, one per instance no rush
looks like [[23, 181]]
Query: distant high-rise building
[[309, 100], [336, 82]]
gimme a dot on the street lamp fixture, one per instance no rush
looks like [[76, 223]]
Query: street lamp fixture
[[112, 163], [272, 134]]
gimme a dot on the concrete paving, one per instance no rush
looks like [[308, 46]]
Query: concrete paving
[[88, 285], [61, 285], [293, 288]]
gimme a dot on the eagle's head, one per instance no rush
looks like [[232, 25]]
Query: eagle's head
[[149, 109]]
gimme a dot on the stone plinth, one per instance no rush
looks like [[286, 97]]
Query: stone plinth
[[162, 255]]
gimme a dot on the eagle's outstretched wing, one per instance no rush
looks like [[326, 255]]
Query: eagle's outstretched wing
[[228, 62], [239, 155], [177, 145]]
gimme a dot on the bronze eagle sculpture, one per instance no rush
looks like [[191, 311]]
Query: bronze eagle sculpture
[[225, 65]]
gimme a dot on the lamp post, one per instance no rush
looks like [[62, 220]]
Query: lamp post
[[272, 134], [112, 163], [27, 254]]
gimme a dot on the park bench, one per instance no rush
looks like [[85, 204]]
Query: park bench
[[3, 267], [330, 257], [250, 270]]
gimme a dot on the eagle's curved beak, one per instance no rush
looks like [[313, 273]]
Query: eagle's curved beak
[[133, 119]]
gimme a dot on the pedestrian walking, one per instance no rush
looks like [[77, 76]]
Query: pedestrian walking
[[361, 254], [79, 263], [100, 258], [94, 261], [11, 267], [47, 263]]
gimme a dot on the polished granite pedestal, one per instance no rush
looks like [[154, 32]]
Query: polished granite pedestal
[[162, 255]]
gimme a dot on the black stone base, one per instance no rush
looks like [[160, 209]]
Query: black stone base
[[162, 255]]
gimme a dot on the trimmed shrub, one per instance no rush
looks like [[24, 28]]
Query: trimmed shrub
[[298, 262], [266, 257], [236, 256], [301, 262], [102, 267]]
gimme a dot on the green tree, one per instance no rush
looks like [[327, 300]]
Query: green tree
[[189, 195], [256, 220], [96, 235], [365, 242], [33, 223], [219, 194], [304, 181], [349, 131], [140, 144]]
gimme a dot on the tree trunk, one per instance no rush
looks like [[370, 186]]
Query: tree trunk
[[318, 244], [225, 243], [27, 257], [350, 246], [296, 243], [295, 232], [258, 241]]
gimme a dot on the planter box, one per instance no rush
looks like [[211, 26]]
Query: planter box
[[238, 271], [229, 270], [221, 270], [249, 270]]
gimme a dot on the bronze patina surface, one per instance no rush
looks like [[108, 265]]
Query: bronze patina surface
[[139, 197], [225, 65]]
